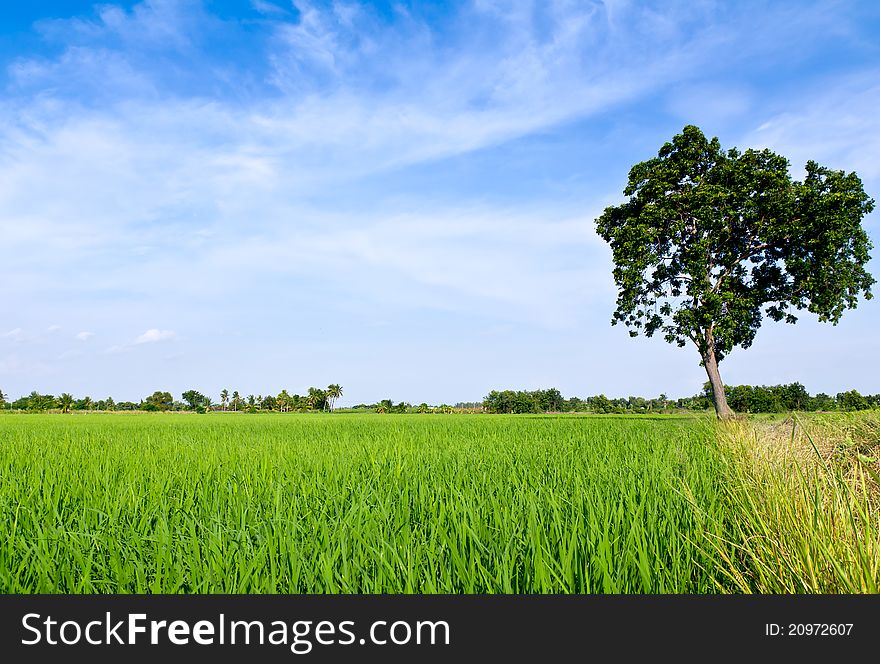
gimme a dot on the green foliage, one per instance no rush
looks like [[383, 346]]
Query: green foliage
[[158, 401], [510, 401], [194, 399], [852, 400], [551, 400], [712, 240], [35, 402], [317, 398], [334, 392], [65, 402]]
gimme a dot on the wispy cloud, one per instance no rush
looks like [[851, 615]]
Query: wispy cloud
[[836, 125], [154, 336], [332, 158], [269, 8], [15, 334]]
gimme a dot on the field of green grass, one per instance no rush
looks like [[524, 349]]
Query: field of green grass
[[378, 503]]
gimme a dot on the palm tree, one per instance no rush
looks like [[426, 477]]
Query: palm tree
[[317, 398], [283, 400], [207, 403], [66, 402], [334, 391], [87, 403], [236, 400], [224, 398], [3, 398]]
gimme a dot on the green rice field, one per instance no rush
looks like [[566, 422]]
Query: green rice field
[[231, 503]]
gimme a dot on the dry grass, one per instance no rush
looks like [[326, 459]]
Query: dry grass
[[807, 495]]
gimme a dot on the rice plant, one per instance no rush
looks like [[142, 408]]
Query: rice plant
[[356, 503]]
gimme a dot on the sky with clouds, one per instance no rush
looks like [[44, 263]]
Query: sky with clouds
[[394, 196]]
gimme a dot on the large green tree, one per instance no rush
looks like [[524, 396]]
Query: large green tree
[[710, 241]]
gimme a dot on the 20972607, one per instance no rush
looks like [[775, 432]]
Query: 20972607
[[808, 629]]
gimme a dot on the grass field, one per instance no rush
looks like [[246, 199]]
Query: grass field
[[408, 503]]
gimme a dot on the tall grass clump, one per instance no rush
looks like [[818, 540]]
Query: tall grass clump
[[359, 504], [806, 495]]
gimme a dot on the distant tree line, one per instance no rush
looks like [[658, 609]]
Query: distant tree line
[[316, 399], [742, 398], [388, 406]]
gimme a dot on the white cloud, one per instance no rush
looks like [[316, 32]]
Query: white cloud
[[168, 202], [153, 336], [836, 125], [16, 334], [268, 8], [53, 328]]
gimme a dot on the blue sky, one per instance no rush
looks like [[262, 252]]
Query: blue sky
[[396, 197]]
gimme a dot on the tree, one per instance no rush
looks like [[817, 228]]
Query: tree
[[65, 402], [37, 401], [283, 400], [823, 401], [317, 398], [236, 401], [194, 399], [3, 399], [224, 398], [158, 400], [709, 241], [852, 400], [549, 400], [334, 391], [600, 403]]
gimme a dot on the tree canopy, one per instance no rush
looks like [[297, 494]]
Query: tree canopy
[[710, 241]]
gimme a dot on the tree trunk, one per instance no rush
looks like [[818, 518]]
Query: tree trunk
[[722, 410]]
